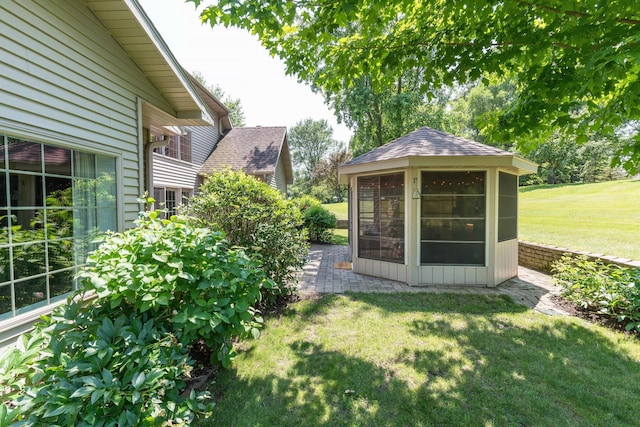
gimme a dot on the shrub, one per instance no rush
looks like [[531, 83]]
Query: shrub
[[257, 217], [305, 202], [123, 358], [605, 289], [183, 275], [319, 222]]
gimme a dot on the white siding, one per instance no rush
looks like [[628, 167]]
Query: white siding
[[203, 139], [172, 173], [506, 262], [65, 80]]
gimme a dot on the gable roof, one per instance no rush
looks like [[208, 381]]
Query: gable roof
[[133, 30], [430, 147], [255, 150]]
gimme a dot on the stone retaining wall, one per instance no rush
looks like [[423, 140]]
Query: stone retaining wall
[[540, 257]]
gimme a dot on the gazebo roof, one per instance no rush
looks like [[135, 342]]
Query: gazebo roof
[[427, 147]]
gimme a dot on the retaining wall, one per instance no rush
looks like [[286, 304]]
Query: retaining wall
[[540, 257]]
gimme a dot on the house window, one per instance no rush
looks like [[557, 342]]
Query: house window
[[453, 218], [178, 147], [166, 199], [381, 217], [507, 207], [53, 203]]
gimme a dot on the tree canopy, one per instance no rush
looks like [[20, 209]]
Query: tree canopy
[[310, 141], [576, 64], [236, 112]]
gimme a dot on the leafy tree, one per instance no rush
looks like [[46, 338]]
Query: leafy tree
[[326, 171], [310, 140], [236, 113], [576, 64]]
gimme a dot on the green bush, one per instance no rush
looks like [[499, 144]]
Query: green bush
[[605, 289], [123, 358], [185, 275], [95, 371], [319, 222], [257, 217], [305, 202]]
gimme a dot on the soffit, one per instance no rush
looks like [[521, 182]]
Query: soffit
[[133, 30]]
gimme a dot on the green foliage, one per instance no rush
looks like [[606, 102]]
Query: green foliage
[[182, 274], [606, 289], [104, 366], [305, 202], [310, 140], [319, 221], [122, 358], [575, 63], [257, 217]]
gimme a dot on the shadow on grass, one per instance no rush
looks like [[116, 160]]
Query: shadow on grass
[[462, 364]]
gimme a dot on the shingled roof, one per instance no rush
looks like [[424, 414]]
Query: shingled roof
[[255, 150], [437, 148]]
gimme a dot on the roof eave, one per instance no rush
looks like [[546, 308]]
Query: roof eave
[[511, 163]]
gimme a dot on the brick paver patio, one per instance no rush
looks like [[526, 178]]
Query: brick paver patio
[[328, 270]]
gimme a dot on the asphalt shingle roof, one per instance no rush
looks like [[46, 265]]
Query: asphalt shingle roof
[[252, 149], [426, 142]]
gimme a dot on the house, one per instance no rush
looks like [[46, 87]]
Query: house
[[177, 160], [259, 151], [84, 84], [433, 208]]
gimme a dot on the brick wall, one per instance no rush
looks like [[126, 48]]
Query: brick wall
[[540, 257]]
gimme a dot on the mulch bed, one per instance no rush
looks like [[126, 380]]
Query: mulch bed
[[593, 317]]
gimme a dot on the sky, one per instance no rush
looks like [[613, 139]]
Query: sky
[[234, 60]]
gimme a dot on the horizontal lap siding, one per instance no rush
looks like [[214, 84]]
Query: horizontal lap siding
[[203, 139], [63, 76], [168, 172]]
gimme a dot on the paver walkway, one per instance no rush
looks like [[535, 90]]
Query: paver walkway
[[328, 271]]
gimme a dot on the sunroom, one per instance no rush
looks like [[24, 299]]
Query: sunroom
[[433, 208]]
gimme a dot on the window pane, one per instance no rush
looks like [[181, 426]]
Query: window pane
[[60, 254], [507, 207], [106, 181], [171, 149], [5, 271], [5, 299], [59, 223], [381, 217], [84, 165], [61, 283], [59, 191], [453, 182], [452, 253], [170, 203], [25, 190], [28, 260], [31, 292], [185, 147], [57, 160], [25, 155], [453, 218]]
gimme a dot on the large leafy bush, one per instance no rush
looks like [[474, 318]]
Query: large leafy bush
[[319, 222], [123, 358], [606, 289], [257, 217], [186, 275]]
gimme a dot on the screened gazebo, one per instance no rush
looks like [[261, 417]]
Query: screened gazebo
[[433, 208]]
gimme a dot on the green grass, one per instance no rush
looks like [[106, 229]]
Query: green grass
[[600, 218], [339, 209], [340, 236], [429, 360]]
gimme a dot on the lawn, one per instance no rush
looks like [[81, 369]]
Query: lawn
[[601, 218], [429, 360]]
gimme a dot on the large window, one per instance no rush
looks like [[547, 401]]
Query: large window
[[381, 217], [507, 207], [178, 147], [53, 203], [453, 218]]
